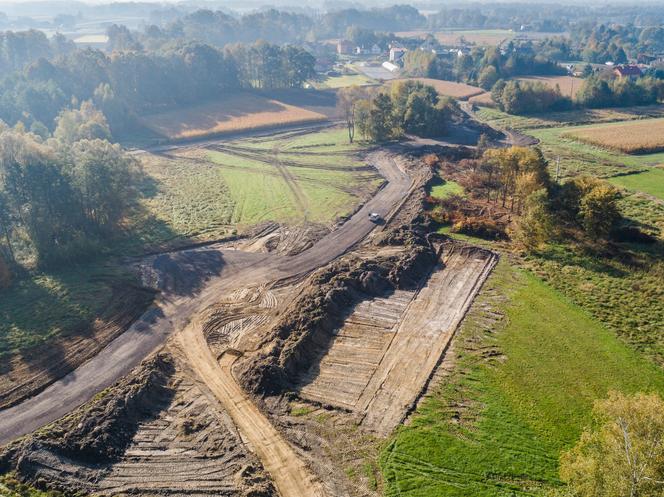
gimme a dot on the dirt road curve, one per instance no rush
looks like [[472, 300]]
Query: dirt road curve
[[291, 477], [238, 269]]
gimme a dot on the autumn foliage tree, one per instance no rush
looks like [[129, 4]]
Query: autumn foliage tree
[[622, 453]]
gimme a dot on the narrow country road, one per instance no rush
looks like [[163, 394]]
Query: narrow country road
[[173, 313]]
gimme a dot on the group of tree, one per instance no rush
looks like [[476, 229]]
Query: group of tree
[[483, 66], [64, 195], [528, 97], [598, 92], [514, 183], [406, 107], [21, 48], [219, 28], [601, 43], [125, 83]]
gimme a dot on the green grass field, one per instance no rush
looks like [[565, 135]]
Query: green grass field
[[442, 189], [343, 81], [519, 392], [650, 182], [290, 177]]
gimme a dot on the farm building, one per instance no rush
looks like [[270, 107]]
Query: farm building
[[628, 71], [345, 47], [396, 53]]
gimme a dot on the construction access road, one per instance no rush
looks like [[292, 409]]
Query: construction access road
[[175, 311]]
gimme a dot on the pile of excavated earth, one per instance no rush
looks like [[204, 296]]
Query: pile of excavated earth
[[209, 412]]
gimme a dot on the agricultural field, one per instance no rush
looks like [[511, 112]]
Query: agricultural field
[[577, 157], [233, 113], [569, 118], [650, 182], [640, 137], [343, 81], [459, 91], [569, 86], [208, 193], [518, 392]]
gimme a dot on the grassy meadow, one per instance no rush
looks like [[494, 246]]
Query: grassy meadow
[[519, 391], [650, 182], [289, 177]]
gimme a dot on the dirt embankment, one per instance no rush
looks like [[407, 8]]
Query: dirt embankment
[[68, 454], [155, 432], [24, 375]]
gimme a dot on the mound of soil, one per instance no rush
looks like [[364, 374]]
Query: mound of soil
[[310, 320], [70, 453]]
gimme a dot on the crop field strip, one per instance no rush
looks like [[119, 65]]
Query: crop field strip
[[637, 137], [239, 112]]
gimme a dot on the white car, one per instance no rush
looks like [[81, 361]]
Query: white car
[[374, 217]]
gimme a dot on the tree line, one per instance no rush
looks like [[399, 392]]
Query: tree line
[[125, 83], [62, 197]]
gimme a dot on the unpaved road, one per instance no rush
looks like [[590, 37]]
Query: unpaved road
[[289, 474], [238, 269]]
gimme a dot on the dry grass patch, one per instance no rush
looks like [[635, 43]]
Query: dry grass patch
[[568, 85], [636, 137], [484, 99], [459, 91], [233, 113]]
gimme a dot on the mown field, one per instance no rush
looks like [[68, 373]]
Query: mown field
[[519, 392], [636, 137], [292, 177], [460, 91], [235, 112]]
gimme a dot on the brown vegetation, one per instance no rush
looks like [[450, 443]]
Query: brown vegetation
[[233, 113], [638, 137], [460, 91]]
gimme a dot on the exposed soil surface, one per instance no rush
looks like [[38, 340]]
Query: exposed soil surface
[[355, 323]]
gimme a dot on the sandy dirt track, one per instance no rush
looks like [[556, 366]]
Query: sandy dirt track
[[237, 269], [291, 477]]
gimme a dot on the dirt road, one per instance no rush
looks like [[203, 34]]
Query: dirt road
[[291, 477], [237, 269]]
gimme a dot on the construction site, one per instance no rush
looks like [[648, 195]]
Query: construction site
[[259, 357]]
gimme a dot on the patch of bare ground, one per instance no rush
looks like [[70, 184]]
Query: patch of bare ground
[[155, 432], [24, 375]]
